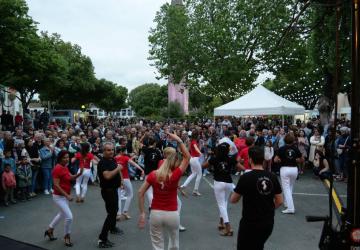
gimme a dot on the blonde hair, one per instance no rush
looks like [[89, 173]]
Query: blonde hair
[[163, 173]]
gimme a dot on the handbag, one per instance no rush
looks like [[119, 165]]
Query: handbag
[[340, 150]]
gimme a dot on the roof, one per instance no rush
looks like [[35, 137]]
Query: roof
[[259, 101]]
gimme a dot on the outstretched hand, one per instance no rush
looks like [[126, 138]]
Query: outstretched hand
[[141, 222], [173, 136]]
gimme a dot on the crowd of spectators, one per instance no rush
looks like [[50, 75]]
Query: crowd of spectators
[[28, 151]]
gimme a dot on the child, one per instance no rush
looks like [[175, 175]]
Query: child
[[269, 154], [9, 160], [24, 175], [8, 183]]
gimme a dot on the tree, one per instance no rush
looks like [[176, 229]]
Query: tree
[[77, 86], [148, 99], [109, 96], [306, 72], [226, 42], [170, 44], [173, 110], [27, 61]]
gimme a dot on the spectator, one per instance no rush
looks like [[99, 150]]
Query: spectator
[[18, 120], [46, 155], [8, 184], [24, 175], [317, 142]]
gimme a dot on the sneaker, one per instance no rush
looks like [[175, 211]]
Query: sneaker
[[13, 201], [117, 231], [288, 211], [46, 192], [6, 204], [196, 193], [182, 229], [104, 244], [126, 216], [118, 217], [237, 173]]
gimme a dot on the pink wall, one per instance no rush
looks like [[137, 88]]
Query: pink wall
[[179, 93]]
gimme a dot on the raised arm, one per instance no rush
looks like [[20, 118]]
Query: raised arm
[[185, 153]]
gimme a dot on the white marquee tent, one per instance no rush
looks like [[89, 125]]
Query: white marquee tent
[[260, 101]]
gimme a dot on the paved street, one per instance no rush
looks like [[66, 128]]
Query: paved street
[[27, 221]]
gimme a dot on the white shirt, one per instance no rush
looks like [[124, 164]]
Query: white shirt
[[269, 153]]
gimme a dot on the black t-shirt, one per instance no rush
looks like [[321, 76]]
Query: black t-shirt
[[108, 165], [288, 155], [152, 156], [258, 189], [222, 168]]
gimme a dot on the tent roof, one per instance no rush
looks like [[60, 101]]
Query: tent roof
[[259, 101]]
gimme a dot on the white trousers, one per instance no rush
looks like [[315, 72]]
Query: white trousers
[[65, 213], [288, 177], [222, 192], [94, 172], [196, 171], [129, 196], [82, 183], [164, 223]]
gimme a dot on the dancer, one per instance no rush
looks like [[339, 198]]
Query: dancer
[[85, 159], [223, 184], [109, 173], [196, 170], [164, 217], [262, 195], [61, 196], [288, 156], [124, 160], [167, 152], [152, 156]]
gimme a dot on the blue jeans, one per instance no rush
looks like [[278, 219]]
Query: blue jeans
[[47, 182], [34, 180], [344, 161]]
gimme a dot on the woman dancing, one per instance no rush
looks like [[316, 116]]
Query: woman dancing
[[164, 217], [196, 170], [223, 184], [61, 196]]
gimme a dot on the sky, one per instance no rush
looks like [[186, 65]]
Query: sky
[[113, 33]]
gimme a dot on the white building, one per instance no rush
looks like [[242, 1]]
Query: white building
[[123, 113], [9, 100]]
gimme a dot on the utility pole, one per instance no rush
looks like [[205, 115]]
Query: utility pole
[[353, 198]]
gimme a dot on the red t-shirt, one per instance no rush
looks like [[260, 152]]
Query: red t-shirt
[[123, 161], [244, 154], [240, 144], [84, 162], [63, 174], [193, 151], [160, 163], [165, 195]]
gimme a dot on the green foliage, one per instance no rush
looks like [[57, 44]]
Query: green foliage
[[45, 64], [148, 99], [170, 44], [173, 110], [221, 45], [109, 96], [28, 62]]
